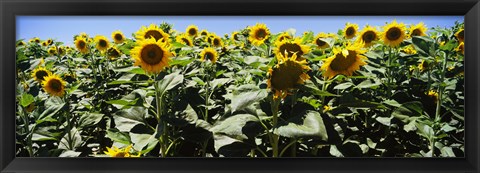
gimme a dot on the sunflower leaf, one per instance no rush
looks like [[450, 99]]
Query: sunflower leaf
[[26, 99], [126, 119], [309, 124], [169, 82], [246, 95], [235, 126]]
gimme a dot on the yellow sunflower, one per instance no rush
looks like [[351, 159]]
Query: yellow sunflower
[[192, 30], [258, 34], [152, 55], [423, 65], [350, 30], [291, 47], [81, 45], [152, 31], [35, 40], [368, 36], [116, 152], [393, 33], [433, 94], [61, 50], [320, 43], [183, 38], [216, 41], [40, 73], [113, 53], [204, 32], [118, 37], [287, 74], [45, 43], [21, 43], [49, 41], [409, 50], [344, 61], [418, 30], [461, 48], [284, 36], [235, 36], [102, 43], [52, 50], [460, 35], [54, 85], [209, 54]]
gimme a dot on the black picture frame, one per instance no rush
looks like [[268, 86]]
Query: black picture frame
[[9, 9]]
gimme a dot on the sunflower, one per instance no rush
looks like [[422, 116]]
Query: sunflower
[[350, 30], [81, 44], [116, 152], [204, 32], [52, 50], [152, 31], [40, 73], [45, 43], [217, 41], [258, 34], [183, 38], [393, 34], [61, 50], [113, 53], [461, 48], [423, 65], [102, 43], [409, 50], [344, 61], [287, 75], [54, 85], [284, 36], [49, 41], [152, 55], [327, 108], [319, 42], [460, 35], [418, 30], [21, 43], [209, 54], [433, 94], [192, 30], [30, 107], [368, 36], [235, 36], [118, 37], [35, 40], [290, 47]]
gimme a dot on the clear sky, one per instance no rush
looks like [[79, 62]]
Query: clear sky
[[63, 28]]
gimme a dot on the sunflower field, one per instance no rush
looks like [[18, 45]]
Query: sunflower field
[[395, 90]]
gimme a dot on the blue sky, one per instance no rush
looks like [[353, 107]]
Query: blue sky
[[63, 28]]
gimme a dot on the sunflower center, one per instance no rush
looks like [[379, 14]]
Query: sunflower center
[[102, 43], [152, 54], [118, 37], [192, 31], [260, 34], [416, 32], [320, 43], [341, 63], [394, 33], [286, 75], [216, 42], [368, 36], [209, 56], [350, 31], [235, 37], [113, 52], [291, 48], [55, 85], [155, 34], [51, 51], [203, 33], [186, 41], [41, 74], [460, 34], [120, 154], [81, 44]]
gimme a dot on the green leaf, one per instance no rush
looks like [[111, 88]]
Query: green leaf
[[126, 119], [89, 119], [310, 87], [348, 100], [182, 61], [423, 44], [169, 82], [26, 99], [408, 110], [369, 84], [425, 131], [219, 82], [53, 106], [117, 136], [72, 138], [307, 125], [131, 69], [141, 136], [230, 147], [233, 126], [343, 86], [246, 95]]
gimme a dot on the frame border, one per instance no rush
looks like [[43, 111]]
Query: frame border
[[9, 9]]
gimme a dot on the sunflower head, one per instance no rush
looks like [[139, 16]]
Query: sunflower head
[[393, 34], [52, 50], [290, 47], [258, 34], [49, 41], [113, 53], [118, 37], [102, 43], [418, 30], [283, 36], [344, 61], [21, 43], [409, 50], [433, 94], [54, 85], [327, 108], [35, 40], [461, 48], [152, 55], [204, 32], [216, 41], [350, 30], [184, 39], [192, 30], [45, 43], [116, 152], [423, 65], [209, 54], [460, 35], [368, 36], [235, 36], [152, 31], [61, 50], [319, 42], [40, 73], [81, 44], [287, 74]]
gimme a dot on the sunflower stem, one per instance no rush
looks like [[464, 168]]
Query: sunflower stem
[[158, 101], [275, 104]]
